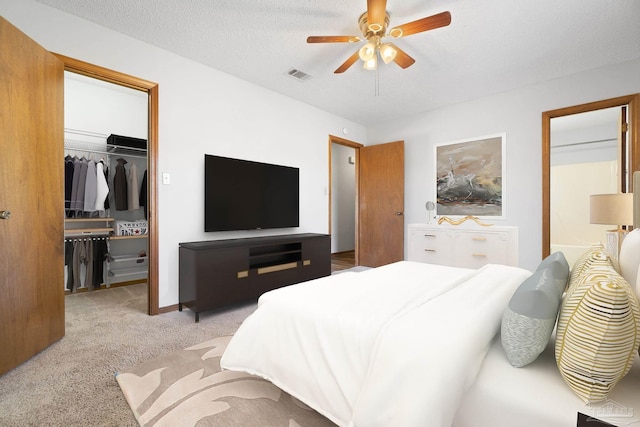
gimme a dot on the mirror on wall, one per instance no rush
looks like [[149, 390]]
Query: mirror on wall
[[587, 150]]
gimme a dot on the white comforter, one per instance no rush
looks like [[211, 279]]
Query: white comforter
[[395, 345]]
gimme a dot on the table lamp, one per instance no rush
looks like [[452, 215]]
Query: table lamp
[[612, 209]]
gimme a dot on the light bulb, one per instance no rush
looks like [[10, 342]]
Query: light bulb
[[371, 63], [367, 51], [388, 53]]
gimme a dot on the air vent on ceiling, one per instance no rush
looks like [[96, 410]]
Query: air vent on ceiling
[[301, 76]]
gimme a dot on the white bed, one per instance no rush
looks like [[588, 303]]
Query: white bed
[[536, 395], [407, 344]]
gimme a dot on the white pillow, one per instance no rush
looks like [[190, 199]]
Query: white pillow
[[638, 285], [629, 259]]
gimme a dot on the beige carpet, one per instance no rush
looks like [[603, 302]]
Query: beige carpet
[[188, 388], [72, 383]]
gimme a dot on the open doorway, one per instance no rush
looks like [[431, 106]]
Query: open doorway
[[378, 202], [150, 91], [105, 143], [343, 202]]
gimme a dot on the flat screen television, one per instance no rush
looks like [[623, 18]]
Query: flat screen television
[[247, 195]]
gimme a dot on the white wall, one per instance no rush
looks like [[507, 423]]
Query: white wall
[[519, 114], [104, 108], [201, 111]]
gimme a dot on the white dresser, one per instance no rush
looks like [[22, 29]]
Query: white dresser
[[462, 246]]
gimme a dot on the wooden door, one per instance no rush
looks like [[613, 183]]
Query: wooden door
[[381, 204], [32, 190]]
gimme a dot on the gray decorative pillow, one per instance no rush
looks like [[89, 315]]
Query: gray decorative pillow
[[559, 267], [529, 319]]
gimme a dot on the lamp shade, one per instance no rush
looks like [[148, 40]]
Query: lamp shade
[[371, 63], [611, 209], [367, 51], [388, 53]]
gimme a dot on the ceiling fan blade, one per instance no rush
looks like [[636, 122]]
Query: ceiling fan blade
[[376, 12], [429, 23], [348, 63], [402, 58], [332, 39]]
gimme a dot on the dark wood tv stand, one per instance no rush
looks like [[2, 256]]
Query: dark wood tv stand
[[218, 273]]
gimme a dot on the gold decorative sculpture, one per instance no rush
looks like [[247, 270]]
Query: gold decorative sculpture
[[460, 221]]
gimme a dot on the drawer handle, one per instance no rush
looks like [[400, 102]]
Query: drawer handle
[[279, 267], [429, 250], [243, 274], [479, 255], [479, 239], [429, 235]]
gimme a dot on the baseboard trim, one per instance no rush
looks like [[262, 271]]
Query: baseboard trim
[[167, 309]]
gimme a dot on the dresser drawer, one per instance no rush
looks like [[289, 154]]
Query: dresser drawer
[[476, 249], [430, 246], [462, 247]]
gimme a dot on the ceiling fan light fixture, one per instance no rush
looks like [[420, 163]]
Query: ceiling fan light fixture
[[367, 51], [388, 53], [371, 64], [374, 24]]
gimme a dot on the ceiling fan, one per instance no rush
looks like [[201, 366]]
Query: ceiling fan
[[373, 24]]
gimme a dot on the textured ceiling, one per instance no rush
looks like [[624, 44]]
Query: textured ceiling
[[491, 46]]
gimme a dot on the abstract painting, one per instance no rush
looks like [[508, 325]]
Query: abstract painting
[[470, 177]]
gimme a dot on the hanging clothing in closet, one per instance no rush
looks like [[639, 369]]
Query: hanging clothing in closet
[[77, 189], [128, 193], [90, 253], [90, 188], [86, 188], [102, 187], [133, 194], [120, 186], [68, 182], [143, 194]]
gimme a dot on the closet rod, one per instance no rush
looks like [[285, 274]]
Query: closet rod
[[111, 153], [73, 238]]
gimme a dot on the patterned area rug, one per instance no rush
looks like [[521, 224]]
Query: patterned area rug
[[188, 388]]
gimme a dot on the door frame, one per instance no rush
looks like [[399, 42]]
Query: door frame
[[356, 146], [151, 88], [633, 103]]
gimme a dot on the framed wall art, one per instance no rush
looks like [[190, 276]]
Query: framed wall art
[[470, 177]]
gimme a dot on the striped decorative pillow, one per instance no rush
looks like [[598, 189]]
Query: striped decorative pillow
[[596, 255], [598, 332]]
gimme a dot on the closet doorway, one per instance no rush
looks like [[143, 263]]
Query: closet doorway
[[85, 70]]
